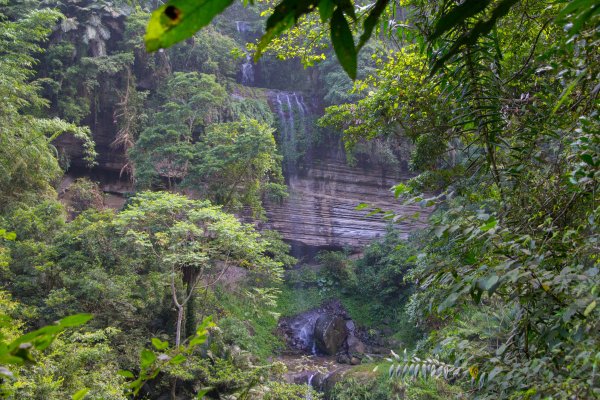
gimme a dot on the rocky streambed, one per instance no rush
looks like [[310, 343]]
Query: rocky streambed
[[323, 344]]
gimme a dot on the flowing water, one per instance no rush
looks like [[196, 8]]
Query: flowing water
[[248, 71]]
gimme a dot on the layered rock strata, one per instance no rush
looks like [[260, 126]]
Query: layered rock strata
[[321, 208]]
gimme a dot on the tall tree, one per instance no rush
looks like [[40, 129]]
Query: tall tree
[[28, 161]]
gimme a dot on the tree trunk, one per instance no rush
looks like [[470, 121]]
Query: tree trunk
[[179, 322]]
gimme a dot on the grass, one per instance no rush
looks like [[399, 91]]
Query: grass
[[262, 340]]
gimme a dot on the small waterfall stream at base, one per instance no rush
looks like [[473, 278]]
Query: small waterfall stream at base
[[309, 384]]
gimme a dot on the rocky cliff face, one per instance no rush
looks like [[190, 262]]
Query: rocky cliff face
[[320, 212], [321, 208], [324, 190]]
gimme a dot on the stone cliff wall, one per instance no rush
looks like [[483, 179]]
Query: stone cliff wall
[[323, 190], [321, 208]]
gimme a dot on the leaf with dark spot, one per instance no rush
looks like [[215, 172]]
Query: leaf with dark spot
[[180, 19]]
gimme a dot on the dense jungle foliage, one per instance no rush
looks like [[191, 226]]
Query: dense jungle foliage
[[176, 291]]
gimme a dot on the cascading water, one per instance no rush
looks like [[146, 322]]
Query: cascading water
[[242, 26], [248, 71], [309, 384], [292, 112], [304, 328]]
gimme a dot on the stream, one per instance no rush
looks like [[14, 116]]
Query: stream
[[322, 345]]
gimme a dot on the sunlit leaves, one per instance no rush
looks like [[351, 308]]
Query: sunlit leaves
[[19, 351], [153, 362]]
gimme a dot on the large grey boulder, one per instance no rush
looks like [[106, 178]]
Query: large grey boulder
[[330, 333]]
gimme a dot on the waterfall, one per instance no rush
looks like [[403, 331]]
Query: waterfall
[[300, 104], [309, 384], [281, 115], [292, 113], [242, 26], [248, 71]]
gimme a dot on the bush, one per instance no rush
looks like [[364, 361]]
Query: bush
[[338, 267], [84, 194]]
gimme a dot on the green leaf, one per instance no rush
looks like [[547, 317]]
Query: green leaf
[[180, 19], [490, 282], [202, 392], [375, 211], [439, 230], [490, 225], [343, 43], [80, 394], [147, 358], [125, 373], [480, 29], [458, 14], [361, 206], [159, 344], [325, 10], [74, 320], [178, 359], [449, 302], [587, 158], [371, 22], [590, 308], [7, 235], [400, 189]]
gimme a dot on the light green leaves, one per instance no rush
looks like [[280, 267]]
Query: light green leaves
[[180, 19], [7, 235], [18, 352], [152, 363], [588, 310], [159, 344], [80, 394], [147, 358]]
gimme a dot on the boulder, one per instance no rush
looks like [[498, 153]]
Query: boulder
[[330, 333], [355, 345], [355, 360], [343, 358]]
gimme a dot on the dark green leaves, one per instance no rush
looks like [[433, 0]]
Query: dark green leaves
[[180, 19], [343, 43], [469, 38], [457, 15], [371, 22], [325, 10], [578, 12]]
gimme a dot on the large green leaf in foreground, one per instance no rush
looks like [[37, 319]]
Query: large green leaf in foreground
[[180, 19]]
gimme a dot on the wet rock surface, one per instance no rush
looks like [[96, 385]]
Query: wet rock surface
[[326, 330], [330, 333], [298, 331], [324, 345]]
